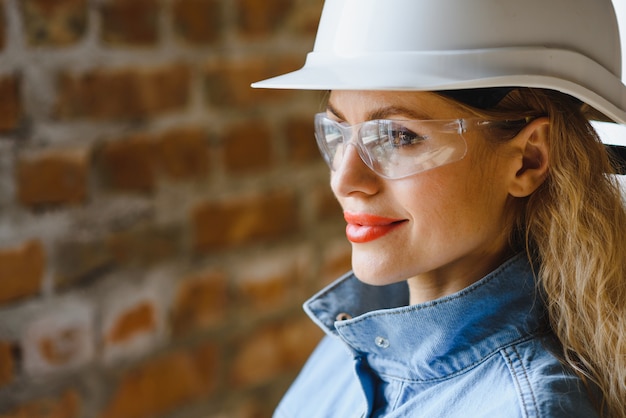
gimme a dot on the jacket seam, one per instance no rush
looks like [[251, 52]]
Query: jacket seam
[[465, 369], [396, 402], [530, 387], [517, 378]]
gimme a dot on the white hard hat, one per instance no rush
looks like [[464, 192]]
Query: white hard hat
[[572, 46]]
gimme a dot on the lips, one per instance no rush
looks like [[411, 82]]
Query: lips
[[363, 227]]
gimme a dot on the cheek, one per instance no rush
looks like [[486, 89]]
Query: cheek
[[434, 199], [483, 174], [485, 198], [458, 197]]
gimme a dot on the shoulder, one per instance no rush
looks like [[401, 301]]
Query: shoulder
[[546, 387]]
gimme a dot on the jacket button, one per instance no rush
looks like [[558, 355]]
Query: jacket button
[[381, 342], [343, 317]]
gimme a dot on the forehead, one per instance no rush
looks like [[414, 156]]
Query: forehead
[[354, 106]]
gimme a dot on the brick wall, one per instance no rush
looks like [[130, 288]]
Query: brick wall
[[160, 221]]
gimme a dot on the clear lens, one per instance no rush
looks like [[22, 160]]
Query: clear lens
[[393, 148]]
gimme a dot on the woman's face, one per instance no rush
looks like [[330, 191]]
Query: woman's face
[[440, 229]]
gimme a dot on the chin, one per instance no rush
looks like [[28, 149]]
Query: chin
[[375, 277]]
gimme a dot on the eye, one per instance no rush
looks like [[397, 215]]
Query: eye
[[402, 137]]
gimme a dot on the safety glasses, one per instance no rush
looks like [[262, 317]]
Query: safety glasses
[[395, 149]]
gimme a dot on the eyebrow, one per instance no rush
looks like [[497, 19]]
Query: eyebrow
[[383, 113]]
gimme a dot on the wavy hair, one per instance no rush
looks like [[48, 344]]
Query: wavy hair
[[573, 228]]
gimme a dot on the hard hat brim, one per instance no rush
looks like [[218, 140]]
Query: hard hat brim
[[562, 70]]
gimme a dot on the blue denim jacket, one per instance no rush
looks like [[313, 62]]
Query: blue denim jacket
[[481, 352]]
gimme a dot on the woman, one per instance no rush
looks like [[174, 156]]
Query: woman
[[487, 237]]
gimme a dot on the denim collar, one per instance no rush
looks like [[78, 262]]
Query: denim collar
[[436, 339]]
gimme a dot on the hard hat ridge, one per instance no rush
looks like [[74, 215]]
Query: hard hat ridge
[[567, 45]]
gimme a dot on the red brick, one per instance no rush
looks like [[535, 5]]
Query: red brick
[[262, 17], [21, 270], [231, 223], [258, 359], [67, 405], [138, 319], [55, 23], [273, 350], [184, 153], [298, 339], [98, 94], [268, 283], [197, 21], [124, 94], [143, 245], [131, 23], [265, 294], [162, 384], [228, 81], [132, 163], [301, 141], [78, 259], [53, 177], [129, 164], [133, 322], [7, 363], [164, 89], [201, 302], [10, 105], [248, 147]]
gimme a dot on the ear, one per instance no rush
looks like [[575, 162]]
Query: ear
[[532, 142]]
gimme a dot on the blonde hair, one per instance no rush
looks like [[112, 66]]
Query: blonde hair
[[574, 229]]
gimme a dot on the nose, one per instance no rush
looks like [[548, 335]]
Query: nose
[[353, 175]]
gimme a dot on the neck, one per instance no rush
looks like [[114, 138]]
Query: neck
[[454, 277]]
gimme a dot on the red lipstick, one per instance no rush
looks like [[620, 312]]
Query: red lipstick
[[364, 227]]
